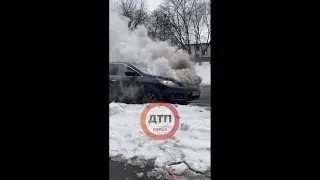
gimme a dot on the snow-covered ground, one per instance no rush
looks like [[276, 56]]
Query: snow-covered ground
[[188, 149], [204, 71]]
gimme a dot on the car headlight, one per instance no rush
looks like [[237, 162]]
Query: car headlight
[[168, 83]]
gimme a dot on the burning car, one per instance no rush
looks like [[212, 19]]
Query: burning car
[[130, 83]]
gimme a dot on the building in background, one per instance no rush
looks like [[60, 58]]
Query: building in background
[[201, 52]]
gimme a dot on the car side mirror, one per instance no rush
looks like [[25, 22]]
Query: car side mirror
[[130, 73]]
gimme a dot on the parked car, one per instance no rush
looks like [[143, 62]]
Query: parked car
[[130, 83]]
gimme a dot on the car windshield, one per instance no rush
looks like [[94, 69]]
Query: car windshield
[[142, 67]]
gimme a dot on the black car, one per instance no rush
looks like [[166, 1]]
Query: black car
[[130, 83]]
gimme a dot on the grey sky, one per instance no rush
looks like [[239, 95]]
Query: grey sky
[[153, 4]]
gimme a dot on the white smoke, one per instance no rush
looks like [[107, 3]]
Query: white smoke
[[159, 57]]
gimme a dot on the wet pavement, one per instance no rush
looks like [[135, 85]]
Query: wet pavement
[[205, 97], [121, 171]]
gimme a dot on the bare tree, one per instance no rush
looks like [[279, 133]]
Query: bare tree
[[207, 22], [154, 24], [183, 22], [178, 13], [159, 25], [135, 10], [197, 23]]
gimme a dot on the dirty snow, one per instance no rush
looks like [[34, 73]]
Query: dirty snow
[[177, 169], [139, 175], [190, 144], [204, 71]]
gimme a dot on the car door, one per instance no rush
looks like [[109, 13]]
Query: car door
[[130, 84], [121, 82], [126, 82], [113, 83]]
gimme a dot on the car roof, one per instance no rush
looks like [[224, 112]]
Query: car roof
[[126, 63], [130, 65], [120, 62]]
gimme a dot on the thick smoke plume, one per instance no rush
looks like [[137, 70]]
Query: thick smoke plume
[[158, 57]]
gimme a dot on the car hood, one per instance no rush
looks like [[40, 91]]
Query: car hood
[[167, 78], [174, 80]]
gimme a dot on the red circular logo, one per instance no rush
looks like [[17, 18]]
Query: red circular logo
[[160, 116]]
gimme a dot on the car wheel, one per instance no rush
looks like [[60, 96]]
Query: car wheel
[[151, 96]]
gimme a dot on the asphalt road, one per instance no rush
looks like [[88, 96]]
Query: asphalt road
[[205, 97], [120, 171]]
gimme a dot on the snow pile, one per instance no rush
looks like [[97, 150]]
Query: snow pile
[[190, 144], [139, 175], [177, 169], [204, 71], [159, 57]]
